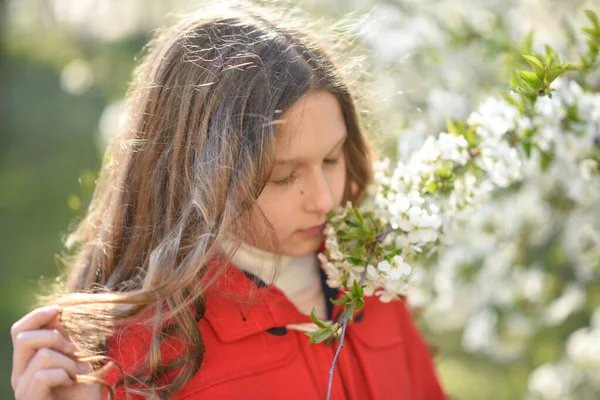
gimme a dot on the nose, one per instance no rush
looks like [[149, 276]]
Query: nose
[[318, 197]]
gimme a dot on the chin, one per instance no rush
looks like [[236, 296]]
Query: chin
[[304, 246]]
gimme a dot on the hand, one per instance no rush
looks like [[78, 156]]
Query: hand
[[43, 367]]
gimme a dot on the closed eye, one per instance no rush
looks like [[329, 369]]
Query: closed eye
[[288, 179]]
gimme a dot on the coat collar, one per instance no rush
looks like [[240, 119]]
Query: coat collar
[[239, 304]]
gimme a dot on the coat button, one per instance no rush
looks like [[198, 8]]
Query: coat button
[[277, 331]]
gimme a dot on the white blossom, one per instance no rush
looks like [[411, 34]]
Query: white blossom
[[442, 199], [550, 382]]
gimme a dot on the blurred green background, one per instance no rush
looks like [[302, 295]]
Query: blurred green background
[[49, 150], [65, 67]]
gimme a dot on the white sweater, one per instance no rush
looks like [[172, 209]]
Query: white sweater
[[298, 277]]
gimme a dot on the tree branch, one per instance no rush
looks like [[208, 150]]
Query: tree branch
[[380, 238]]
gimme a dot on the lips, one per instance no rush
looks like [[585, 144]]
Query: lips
[[312, 231]]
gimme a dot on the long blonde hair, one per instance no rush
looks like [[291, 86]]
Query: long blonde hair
[[195, 155]]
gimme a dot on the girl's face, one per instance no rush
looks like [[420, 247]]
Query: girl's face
[[308, 179]]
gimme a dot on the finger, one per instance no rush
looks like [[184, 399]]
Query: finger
[[46, 359], [28, 342], [34, 320], [44, 381]]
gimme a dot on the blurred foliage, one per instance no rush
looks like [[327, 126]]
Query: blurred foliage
[[49, 157]]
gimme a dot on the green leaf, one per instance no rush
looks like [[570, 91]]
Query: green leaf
[[530, 132], [527, 147], [341, 301], [355, 233], [593, 49], [355, 261], [431, 187], [531, 79], [451, 128], [551, 56], [593, 18], [536, 64], [319, 335], [546, 160], [357, 290], [352, 223], [395, 252], [556, 72], [359, 304], [514, 81], [360, 218], [471, 137], [357, 252], [320, 323], [444, 172], [590, 31]]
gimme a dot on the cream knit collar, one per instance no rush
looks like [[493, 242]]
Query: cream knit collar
[[296, 274], [297, 277]]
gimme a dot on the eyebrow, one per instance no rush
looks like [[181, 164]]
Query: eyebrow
[[301, 160]]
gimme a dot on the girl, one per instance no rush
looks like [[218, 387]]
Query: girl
[[195, 267]]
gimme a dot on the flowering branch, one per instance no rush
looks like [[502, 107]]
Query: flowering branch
[[347, 315], [346, 318], [414, 206]]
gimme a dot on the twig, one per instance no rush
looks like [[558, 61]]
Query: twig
[[349, 312]]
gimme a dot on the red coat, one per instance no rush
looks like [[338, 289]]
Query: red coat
[[384, 357]]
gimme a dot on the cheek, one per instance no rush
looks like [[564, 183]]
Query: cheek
[[274, 210], [338, 182]]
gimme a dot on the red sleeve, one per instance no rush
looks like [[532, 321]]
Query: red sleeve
[[426, 385]]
